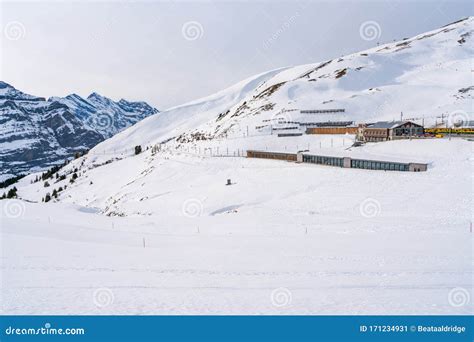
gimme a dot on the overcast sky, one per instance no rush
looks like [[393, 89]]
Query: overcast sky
[[168, 53]]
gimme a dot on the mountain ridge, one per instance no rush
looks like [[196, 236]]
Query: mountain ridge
[[37, 133]]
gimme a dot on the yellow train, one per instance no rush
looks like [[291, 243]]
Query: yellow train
[[439, 131]]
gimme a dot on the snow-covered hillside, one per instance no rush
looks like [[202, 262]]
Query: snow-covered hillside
[[165, 235], [36, 133], [424, 77]]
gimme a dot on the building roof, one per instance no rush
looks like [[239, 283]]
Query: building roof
[[389, 124]]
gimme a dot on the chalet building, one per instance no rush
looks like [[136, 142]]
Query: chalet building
[[389, 130]]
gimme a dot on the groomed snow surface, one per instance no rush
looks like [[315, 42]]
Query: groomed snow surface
[[284, 238]]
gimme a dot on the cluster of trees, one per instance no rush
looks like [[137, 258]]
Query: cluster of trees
[[52, 173], [10, 194], [49, 173], [80, 154], [6, 183], [48, 197]]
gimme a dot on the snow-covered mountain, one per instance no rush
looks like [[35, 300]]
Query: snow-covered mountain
[[105, 115], [36, 133]]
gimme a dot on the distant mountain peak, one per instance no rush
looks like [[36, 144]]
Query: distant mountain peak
[[74, 96], [95, 95], [65, 125]]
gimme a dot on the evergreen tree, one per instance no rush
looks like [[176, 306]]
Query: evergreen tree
[[12, 193], [138, 149]]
